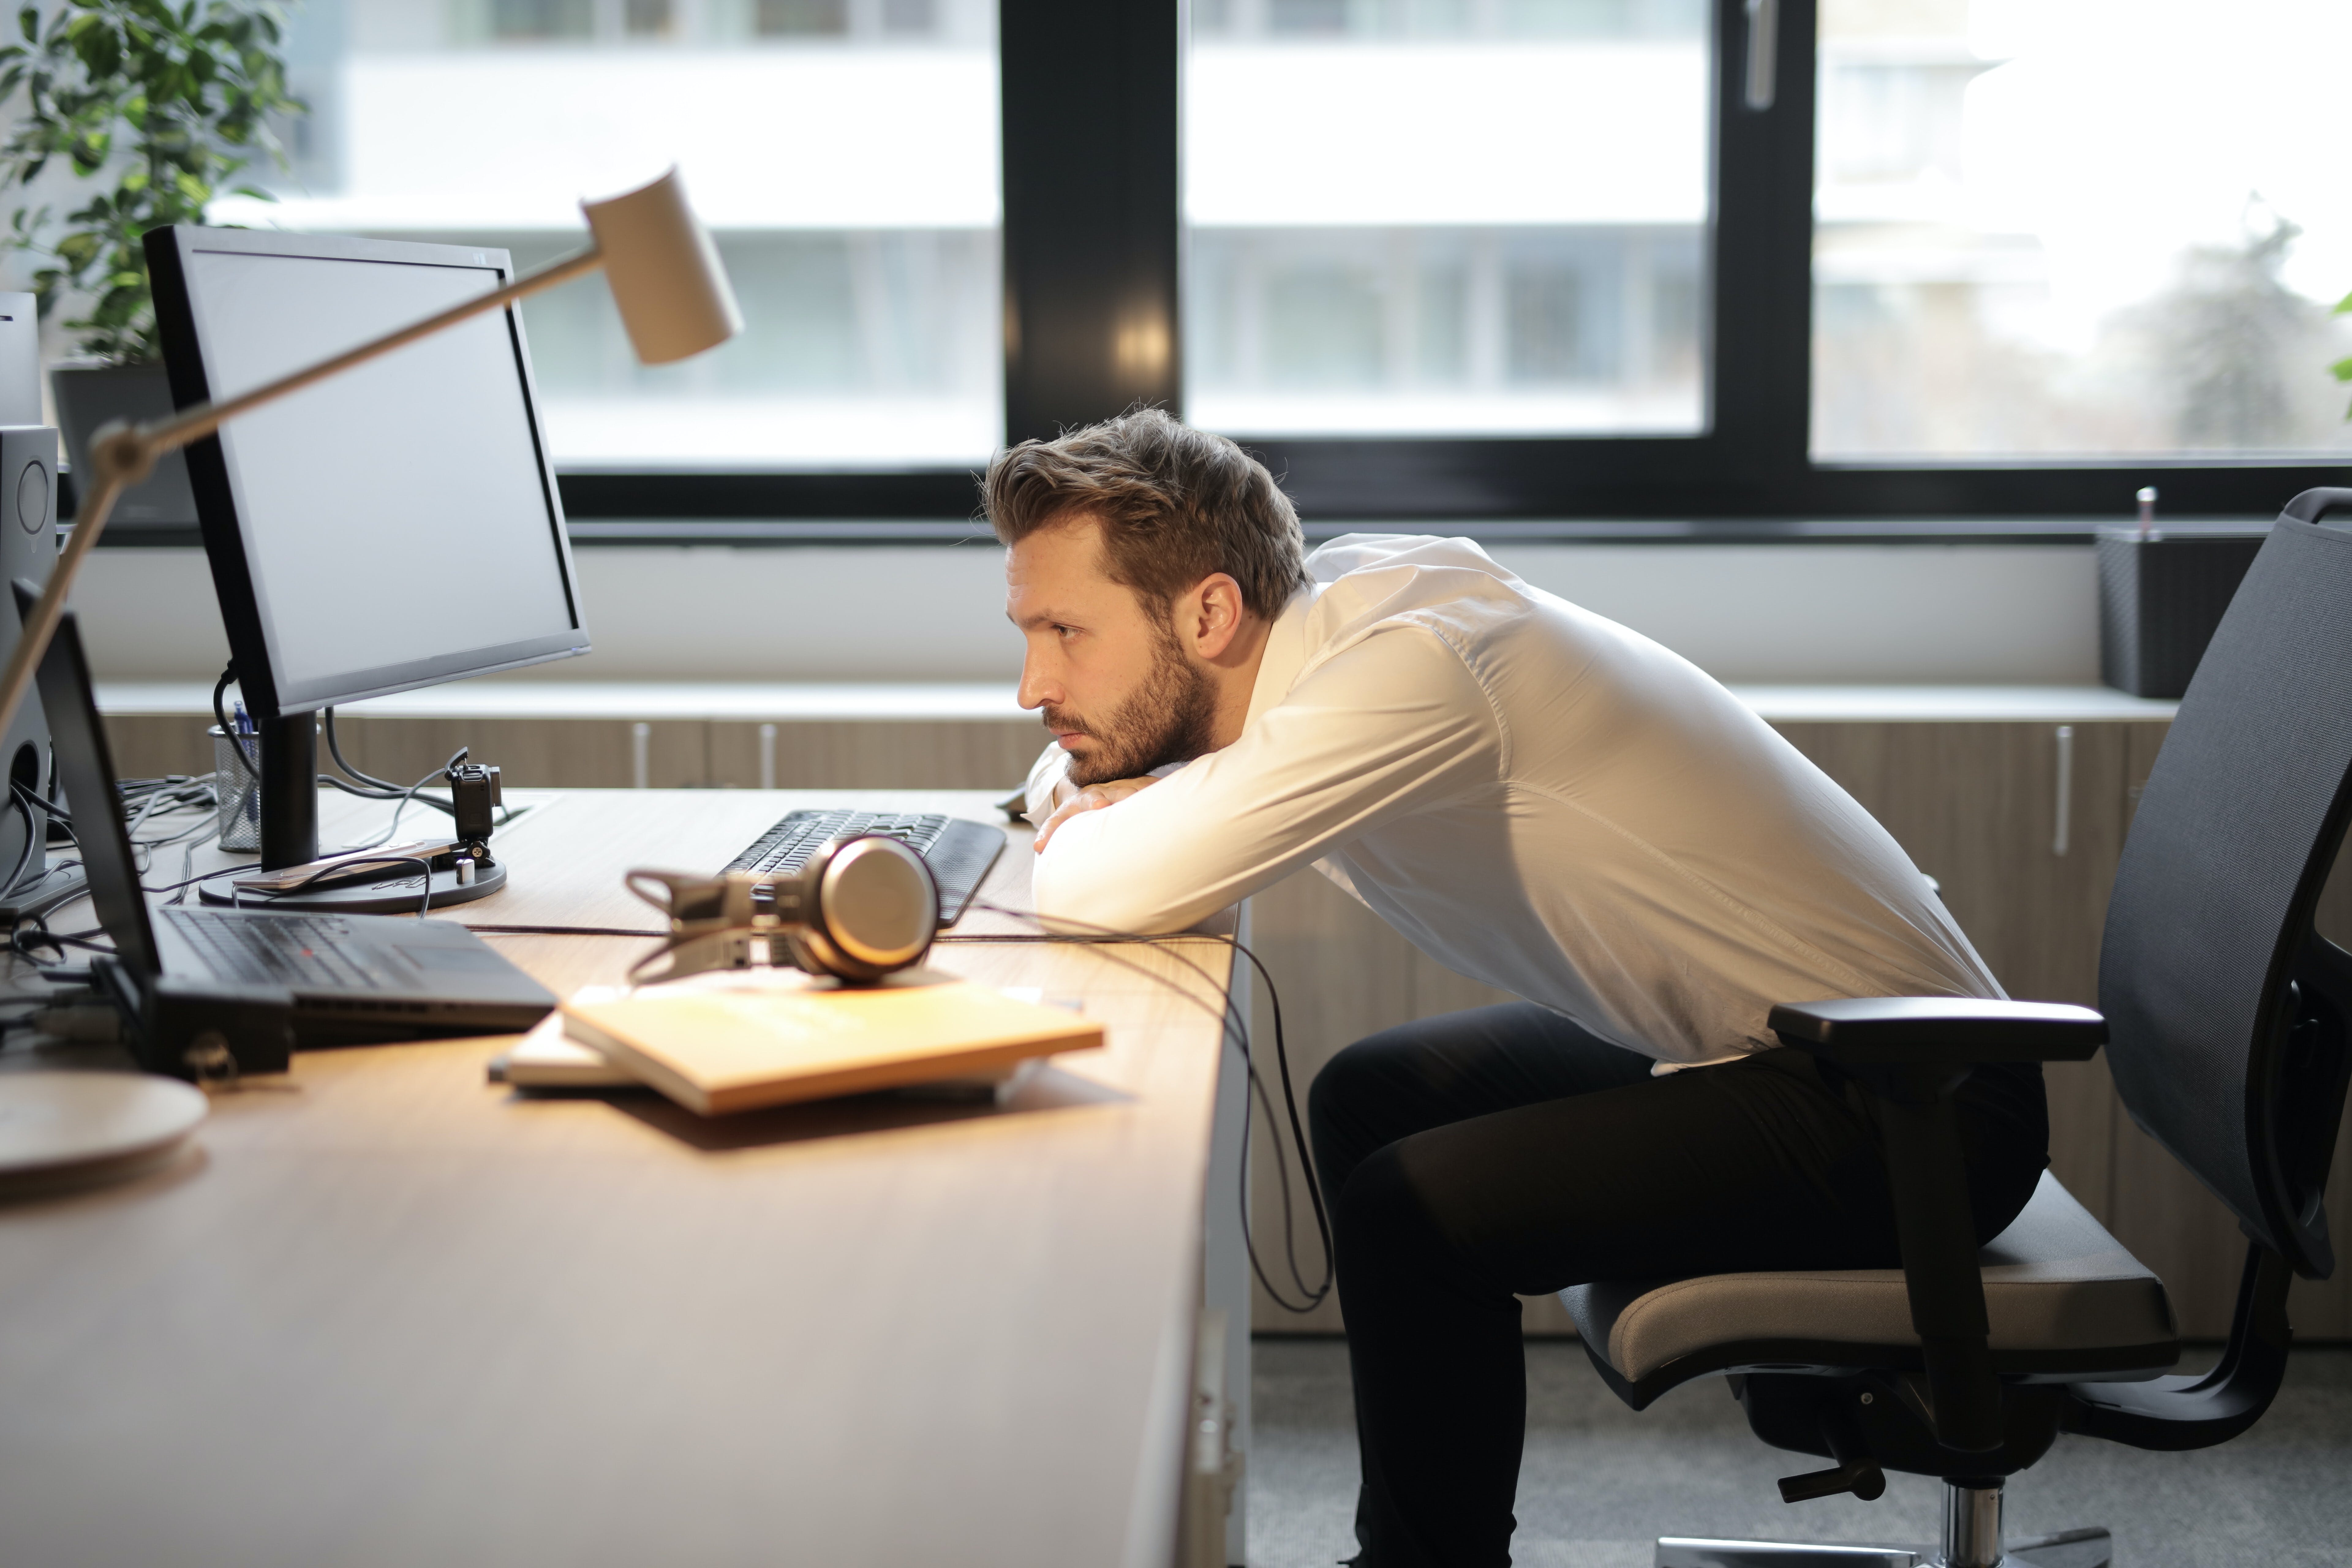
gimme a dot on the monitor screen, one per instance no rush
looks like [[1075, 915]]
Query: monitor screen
[[395, 525]]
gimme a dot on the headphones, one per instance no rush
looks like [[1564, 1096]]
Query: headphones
[[859, 908]]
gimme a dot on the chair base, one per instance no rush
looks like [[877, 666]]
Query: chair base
[[2068, 1549]]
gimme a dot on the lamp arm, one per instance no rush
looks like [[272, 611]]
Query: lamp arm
[[124, 455]]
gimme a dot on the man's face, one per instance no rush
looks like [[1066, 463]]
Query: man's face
[[1120, 693]]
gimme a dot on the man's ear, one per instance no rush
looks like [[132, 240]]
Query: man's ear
[[1215, 612]]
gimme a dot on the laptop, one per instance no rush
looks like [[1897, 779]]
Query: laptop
[[353, 979], [958, 852]]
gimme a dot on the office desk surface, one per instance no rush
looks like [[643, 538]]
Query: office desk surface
[[389, 1313]]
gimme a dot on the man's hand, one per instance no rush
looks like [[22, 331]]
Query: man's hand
[[1093, 797]]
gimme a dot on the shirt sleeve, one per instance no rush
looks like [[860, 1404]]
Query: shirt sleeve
[[1047, 771], [1383, 729]]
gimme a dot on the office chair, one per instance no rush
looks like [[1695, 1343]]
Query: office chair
[[2223, 1014]]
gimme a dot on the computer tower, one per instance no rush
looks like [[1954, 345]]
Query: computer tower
[[28, 548]]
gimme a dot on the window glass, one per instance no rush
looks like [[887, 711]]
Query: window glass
[[843, 152], [2080, 227], [1446, 217]]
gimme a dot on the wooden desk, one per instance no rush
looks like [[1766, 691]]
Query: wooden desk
[[390, 1313]]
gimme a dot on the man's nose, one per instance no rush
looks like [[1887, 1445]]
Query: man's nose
[[1036, 689]]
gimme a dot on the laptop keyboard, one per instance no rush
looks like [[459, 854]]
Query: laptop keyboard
[[958, 852], [283, 950]]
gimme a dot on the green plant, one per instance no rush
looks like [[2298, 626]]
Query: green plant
[[174, 99]]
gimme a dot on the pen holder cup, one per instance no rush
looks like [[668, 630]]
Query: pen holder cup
[[239, 788]]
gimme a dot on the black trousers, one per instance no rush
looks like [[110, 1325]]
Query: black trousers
[[1503, 1152]]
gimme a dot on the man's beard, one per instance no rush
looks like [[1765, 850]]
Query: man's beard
[[1168, 719]]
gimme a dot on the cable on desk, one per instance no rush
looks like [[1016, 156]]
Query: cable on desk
[[1236, 1031], [563, 930], [370, 787], [43, 936], [32, 830], [335, 750]]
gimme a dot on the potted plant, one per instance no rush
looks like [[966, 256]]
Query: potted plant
[[157, 106]]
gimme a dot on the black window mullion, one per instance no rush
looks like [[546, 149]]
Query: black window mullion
[[1091, 210], [1763, 370]]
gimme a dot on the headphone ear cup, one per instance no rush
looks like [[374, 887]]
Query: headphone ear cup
[[870, 906]]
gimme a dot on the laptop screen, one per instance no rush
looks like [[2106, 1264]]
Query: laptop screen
[[86, 770]]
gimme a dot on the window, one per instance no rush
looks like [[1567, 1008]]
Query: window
[[1423, 217], [1548, 266], [844, 152], [2078, 228]]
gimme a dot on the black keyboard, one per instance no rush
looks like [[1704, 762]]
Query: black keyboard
[[959, 852], [283, 950]]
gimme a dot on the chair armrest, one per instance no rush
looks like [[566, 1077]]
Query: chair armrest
[[1939, 1031], [1906, 1055]]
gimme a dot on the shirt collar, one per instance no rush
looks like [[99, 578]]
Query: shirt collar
[[1284, 656]]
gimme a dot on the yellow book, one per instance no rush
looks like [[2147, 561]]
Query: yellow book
[[716, 1051]]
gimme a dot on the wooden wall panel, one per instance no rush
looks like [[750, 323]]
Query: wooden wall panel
[[151, 745], [994, 754], [547, 754]]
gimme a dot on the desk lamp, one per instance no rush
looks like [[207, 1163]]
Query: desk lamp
[[81, 1128], [666, 278]]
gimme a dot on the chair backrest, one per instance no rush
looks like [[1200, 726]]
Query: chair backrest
[[2226, 1013]]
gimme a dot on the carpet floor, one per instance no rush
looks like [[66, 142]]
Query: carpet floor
[[1600, 1482]]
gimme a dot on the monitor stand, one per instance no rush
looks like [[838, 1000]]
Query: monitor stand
[[289, 837]]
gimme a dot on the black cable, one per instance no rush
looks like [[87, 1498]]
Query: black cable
[[441, 771], [199, 876], [1235, 1029], [1105, 935], [397, 794], [368, 786], [48, 807], [564, 931], [32, 831], [220, 713], [335, 750], [52, 939]]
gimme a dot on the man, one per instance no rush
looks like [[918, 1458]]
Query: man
[[1537, 798]]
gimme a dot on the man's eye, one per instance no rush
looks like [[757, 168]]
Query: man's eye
[[1066, 633]]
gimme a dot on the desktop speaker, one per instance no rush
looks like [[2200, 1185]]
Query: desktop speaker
[[28, 548]]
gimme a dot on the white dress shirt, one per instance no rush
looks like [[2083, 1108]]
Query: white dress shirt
[[1536, 798]]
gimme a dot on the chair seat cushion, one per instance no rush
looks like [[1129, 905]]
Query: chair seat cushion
[[2065, 1301]]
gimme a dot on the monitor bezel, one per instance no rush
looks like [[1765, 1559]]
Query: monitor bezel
[[178, 318]]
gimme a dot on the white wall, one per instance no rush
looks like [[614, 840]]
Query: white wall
[[1781, 613]]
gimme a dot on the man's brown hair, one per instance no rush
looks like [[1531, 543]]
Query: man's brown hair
[[1177, 505]]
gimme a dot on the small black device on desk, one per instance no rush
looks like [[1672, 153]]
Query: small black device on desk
[[958, 852], [210, 991]]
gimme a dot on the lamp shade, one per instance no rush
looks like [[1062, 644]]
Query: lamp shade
[[663, 272]]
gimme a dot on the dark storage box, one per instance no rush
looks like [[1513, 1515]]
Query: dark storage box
[[2161, 596]]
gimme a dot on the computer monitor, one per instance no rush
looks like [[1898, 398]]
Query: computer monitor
[[395, 526]]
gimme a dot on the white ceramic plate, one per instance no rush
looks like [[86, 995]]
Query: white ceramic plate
[[57, 1126]]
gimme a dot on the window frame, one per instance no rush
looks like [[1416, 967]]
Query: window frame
[[1092, 246]]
